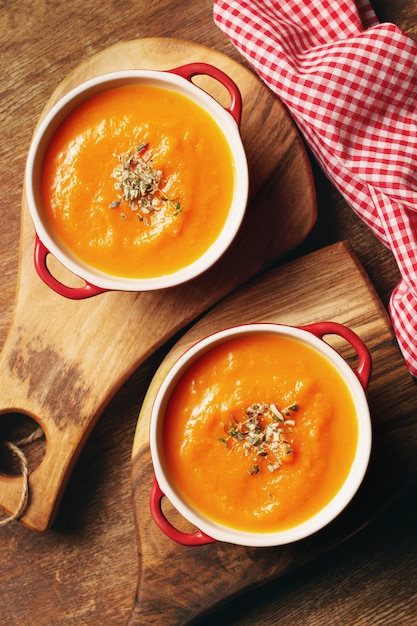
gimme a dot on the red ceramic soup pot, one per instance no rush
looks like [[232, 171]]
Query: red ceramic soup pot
[[208, 530], [178, 80]]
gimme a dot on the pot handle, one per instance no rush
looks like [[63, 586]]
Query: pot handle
[[363, 371], [186, 539], [74, 293], [195, 69]]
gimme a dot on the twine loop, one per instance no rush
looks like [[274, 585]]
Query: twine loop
[[16, 449]]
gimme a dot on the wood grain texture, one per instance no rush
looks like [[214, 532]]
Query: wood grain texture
[[326, 285], [83, 570]]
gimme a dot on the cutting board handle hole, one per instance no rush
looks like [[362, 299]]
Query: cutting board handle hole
[[23, 432]]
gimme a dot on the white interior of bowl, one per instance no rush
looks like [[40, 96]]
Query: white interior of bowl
[[306, 528], [54, 118]]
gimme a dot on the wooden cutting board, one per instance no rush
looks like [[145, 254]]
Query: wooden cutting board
[[63, 360], [178, 585]]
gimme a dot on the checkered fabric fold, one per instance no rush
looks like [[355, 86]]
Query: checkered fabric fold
[[350, 83]]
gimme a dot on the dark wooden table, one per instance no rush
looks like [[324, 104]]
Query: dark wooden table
[[83, 570]]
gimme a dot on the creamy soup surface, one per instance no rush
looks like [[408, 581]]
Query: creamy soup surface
[[260, 433], [138, 181]]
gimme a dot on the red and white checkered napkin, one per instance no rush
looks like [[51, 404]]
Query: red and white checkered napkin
[[350, 84]]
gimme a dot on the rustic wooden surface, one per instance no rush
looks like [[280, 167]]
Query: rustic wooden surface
[[83, 570], [64, 359], [336, 289]]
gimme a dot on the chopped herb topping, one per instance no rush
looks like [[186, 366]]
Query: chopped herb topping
[[138, 184], [264, 432]]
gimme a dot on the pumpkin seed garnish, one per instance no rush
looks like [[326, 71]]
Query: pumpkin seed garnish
[[263, 432], [138, 183]]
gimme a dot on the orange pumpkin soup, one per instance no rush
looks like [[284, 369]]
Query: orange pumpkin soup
[[260, 433], [138, 181]]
